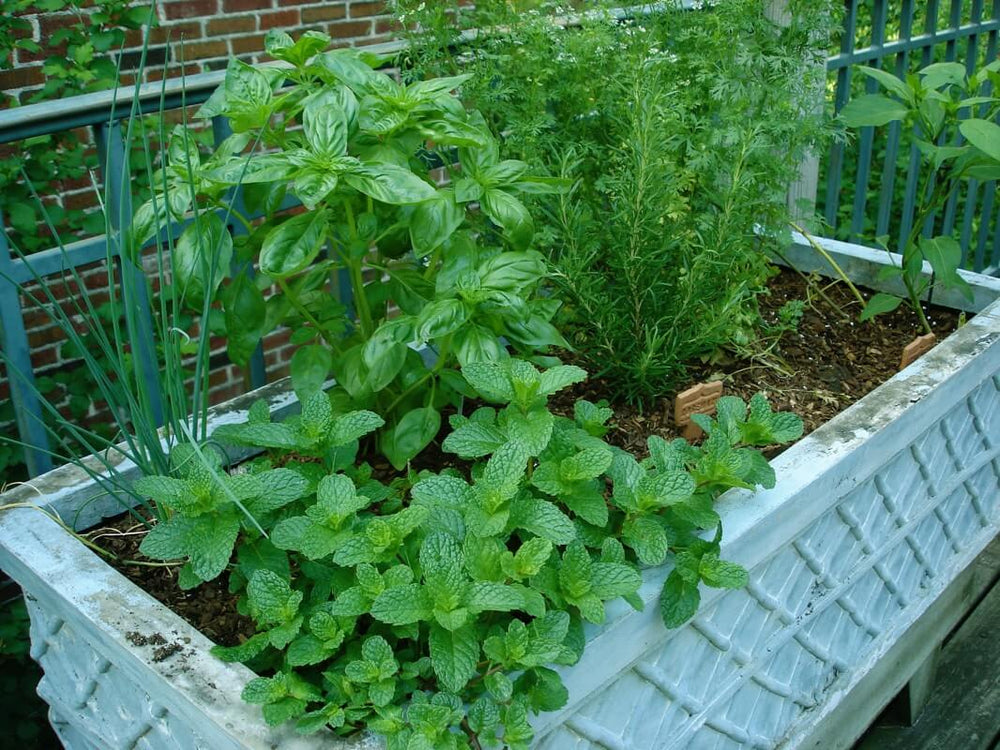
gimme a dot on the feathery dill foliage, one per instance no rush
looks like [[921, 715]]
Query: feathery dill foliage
[[681, 131]]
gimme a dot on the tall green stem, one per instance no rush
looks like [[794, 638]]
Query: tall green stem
[[941, 192], [309, 317], [356, 272]]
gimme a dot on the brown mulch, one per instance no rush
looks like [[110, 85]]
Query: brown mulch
[[818, 370]]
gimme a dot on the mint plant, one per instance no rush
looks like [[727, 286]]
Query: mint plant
[[953, 115], [447, 267], [437, 608]]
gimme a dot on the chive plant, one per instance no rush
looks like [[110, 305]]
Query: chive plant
[[157, 402]]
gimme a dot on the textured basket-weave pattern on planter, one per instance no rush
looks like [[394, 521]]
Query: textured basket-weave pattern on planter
[[105, 709], [749, 665]]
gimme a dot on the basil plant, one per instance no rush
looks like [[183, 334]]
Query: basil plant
[[406, 203]]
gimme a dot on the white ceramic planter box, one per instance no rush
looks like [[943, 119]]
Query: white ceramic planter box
[[874, 517]]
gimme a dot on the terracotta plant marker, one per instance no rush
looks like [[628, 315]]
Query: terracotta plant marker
[[699, 399], [916, 348]]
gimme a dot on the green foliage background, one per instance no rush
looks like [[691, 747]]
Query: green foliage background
[[680, 130]]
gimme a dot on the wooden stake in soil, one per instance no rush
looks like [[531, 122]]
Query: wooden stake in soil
[[699, 399], [916, 348]]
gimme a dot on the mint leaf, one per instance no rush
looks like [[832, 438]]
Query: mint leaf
[[454, 655], [647, 538], [211, 541], [559, 377], [272, 599], [490, 379], [244, 652], [356, 424], [678, 601], [722, 573], [402, 605], [611, 580], [543, 519], [493, 597]]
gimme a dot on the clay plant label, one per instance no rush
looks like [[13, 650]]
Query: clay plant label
[[698, 399], [916, 349]]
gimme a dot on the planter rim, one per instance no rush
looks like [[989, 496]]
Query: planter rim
[[751, 526]]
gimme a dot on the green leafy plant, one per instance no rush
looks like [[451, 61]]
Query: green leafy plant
[[941, 103], [21, 710], [446, 267], [434, 608], [680, 159]]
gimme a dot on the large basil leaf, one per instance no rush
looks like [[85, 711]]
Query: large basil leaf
[[512, 272], [390, 184], [441, 317], [247, 97], [349, 68], [201, 257], [325, 125], [293, 245], [511, 215], [411, 435], [434, 221], [245, 318], [253, 168], [477, 344], [309, 368], [385, 352], [280, 46]]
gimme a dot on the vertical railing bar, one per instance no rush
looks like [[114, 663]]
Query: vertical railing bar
[[954, 23], [990, 188], [20, 374], [971, 187], [985, 211], [895, 129], [951, 54], [913, 168], [867, 139], [117, 185], [256, 368], [971, 203], [842, 92]]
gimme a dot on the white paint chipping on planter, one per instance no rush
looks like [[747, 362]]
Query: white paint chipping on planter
[[874, 515]]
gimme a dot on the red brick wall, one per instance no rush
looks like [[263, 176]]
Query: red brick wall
[[205, 33]]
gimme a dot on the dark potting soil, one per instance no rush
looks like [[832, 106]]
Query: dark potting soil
[[210, 607], [817, 370]]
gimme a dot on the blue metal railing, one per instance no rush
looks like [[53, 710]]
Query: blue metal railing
[[901, 38]]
